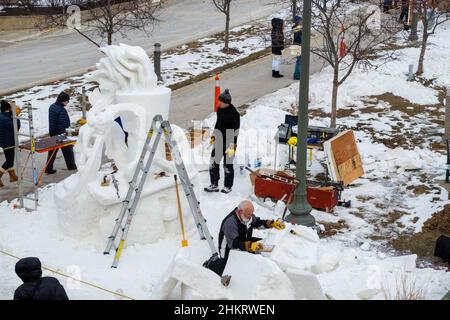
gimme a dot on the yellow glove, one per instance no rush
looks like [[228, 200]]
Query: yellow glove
[[277, 224], [292, 141], [18, 111], [253, 246], [231, 151], [212, 139], [82, 122]]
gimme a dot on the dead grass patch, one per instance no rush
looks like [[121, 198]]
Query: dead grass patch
[[332, 228], [423, 243]]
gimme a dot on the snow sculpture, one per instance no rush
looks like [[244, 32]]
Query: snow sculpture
[[127, 89]]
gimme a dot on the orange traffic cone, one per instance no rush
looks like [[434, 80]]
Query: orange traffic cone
[[216, 92]]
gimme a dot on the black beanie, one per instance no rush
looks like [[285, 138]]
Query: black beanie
[[225, 97], [63, 97], [5, 106]]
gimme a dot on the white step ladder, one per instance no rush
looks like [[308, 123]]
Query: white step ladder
[[34, 196], [131, 201]]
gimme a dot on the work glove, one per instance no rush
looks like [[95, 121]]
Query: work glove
[[253, 246], [231, 151], [292, 141], [18, 111], [212, 139], [81, 122], [277, 224]]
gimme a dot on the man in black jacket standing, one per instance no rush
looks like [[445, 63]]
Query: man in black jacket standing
[[224, 142], [36, 287], [59, 121], [237, 229], [7, 141]]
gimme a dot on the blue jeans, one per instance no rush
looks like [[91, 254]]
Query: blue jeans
[[297, 68]]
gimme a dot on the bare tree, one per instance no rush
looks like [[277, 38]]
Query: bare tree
[[432, 14], [224, 6], [106, 18], [361, 33]]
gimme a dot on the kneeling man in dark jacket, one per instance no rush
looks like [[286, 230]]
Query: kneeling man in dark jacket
[[237, 229], [36, 287]]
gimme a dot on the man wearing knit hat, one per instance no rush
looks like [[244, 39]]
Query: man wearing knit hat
[[224, 141], [59, 121], [7, 141]]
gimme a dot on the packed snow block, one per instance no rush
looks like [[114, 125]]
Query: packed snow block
[[205, 282], [402, 263], [257, 278], [344, 283], [188, 293], [306, 233], [306, 285], [165, 285], [296, 252], [328, 259]]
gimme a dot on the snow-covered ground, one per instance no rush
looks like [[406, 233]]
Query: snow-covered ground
[[349, 265]]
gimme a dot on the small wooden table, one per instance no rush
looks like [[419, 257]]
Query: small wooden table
[[42, 145], [47, 144]]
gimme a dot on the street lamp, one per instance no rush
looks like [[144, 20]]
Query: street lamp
[[300, 208]]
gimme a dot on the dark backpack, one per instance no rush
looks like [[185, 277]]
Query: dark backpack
[[442, 249]]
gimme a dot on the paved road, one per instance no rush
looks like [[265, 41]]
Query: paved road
[[64, 54]]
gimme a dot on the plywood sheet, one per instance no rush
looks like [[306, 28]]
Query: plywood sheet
[[344, 159]]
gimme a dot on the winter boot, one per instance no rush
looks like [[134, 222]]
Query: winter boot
[[278, 75], [2, 172], [273, 74], [12, 175], [212, 188], [226, 190]]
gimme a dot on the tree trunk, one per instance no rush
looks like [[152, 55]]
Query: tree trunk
[[227, 29], [422, 50], [294, 9], [334, 99], [110, 38]]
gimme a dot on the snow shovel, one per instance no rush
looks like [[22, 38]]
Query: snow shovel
[[184, 242]]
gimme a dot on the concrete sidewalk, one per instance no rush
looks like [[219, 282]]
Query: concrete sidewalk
[[194, 102]]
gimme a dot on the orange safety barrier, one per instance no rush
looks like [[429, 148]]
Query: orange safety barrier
[[216, 92]]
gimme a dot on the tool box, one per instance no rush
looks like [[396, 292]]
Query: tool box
[[277, 184]]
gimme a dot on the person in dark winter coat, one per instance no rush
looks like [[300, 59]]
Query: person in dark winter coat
[[224, 141], [237, 229], [277, 37], [297, 30], [7, 141], [59, 121], [36, 287], [404, 14]]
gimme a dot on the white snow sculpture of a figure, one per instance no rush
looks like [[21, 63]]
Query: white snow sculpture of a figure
[[127, 89]]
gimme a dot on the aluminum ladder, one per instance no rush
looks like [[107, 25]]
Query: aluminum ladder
[[131, 201], [34, 196]]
